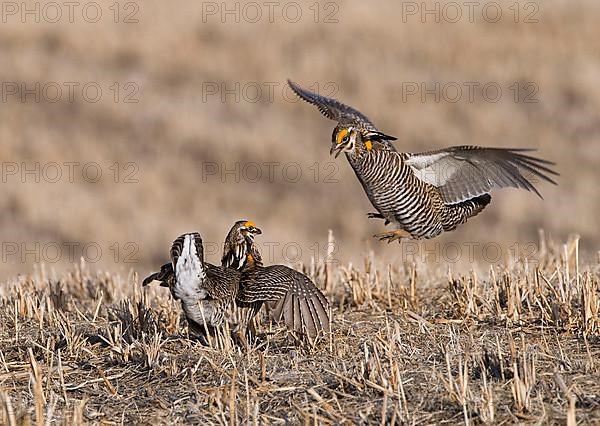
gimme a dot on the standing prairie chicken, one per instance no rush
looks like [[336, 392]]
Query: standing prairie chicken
[[289, 294], [423, 194], [208, 293]]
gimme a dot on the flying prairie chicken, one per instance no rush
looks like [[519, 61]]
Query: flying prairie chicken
[[289, 294], [423, 194]]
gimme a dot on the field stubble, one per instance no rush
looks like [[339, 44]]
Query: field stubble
[[410, 345]]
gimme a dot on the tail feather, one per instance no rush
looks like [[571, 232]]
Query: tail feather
[[479, 203]]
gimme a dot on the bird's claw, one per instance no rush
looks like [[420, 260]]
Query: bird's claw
[[390, 236]]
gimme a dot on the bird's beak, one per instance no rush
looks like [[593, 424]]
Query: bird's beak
[[337, 149], [257, 231]]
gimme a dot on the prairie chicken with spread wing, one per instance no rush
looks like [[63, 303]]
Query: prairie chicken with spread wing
[[289, 294], [208, 293], [423, 194]]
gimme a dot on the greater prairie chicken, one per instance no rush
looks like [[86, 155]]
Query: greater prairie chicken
[[239, 245], [289, 294], [423, 194], [208, 293]]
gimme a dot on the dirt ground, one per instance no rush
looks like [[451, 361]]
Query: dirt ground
[[410, 345]]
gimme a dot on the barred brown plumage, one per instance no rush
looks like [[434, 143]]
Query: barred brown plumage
[[289, 294], [205, 291], [235, 291], [423, 194]]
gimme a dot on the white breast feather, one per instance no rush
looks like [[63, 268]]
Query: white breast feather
[[189, 272]]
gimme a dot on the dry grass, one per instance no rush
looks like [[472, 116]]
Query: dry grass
[[520, 343]]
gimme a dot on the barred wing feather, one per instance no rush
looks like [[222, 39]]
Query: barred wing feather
[[290, 295]]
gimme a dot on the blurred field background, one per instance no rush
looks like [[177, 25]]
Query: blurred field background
[[176, 55]]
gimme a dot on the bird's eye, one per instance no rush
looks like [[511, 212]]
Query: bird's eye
[[345, 139]]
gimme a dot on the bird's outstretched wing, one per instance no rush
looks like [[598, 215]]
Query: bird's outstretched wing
[[290, 295], [335, 110], [463, 172]]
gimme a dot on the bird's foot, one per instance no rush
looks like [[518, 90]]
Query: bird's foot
[[394, 235], [240, 339]]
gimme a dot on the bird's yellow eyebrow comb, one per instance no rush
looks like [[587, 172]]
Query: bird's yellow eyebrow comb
[[341, 135]]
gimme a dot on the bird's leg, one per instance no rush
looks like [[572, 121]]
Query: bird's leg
[[240, 339], [389, 236], [203, 333], [251, 332], [202, 339], [196, 332]]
